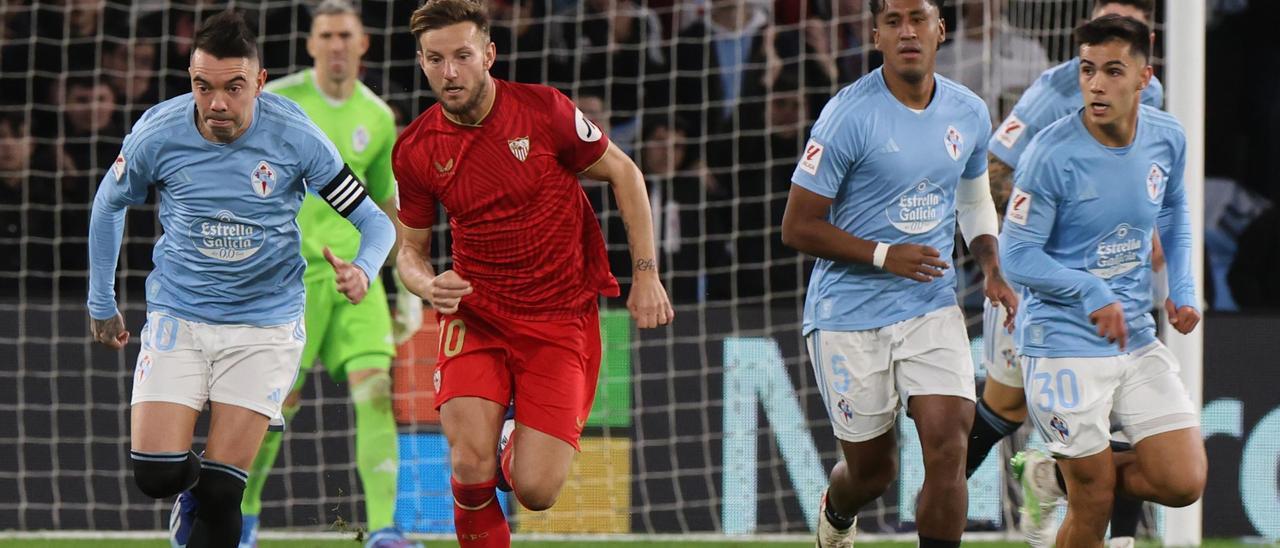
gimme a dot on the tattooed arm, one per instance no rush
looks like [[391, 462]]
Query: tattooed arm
[[648, 302]]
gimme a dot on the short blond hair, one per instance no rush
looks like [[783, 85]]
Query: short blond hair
[[437, 14]]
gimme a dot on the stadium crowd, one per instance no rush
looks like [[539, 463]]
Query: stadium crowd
[[714, 100]]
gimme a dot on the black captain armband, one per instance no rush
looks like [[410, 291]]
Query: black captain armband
[[344, 192]]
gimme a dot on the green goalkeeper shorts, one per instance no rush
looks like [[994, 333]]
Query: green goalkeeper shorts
[[346, 337]]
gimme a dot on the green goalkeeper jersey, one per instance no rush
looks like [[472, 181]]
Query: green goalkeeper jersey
[[364, 130]]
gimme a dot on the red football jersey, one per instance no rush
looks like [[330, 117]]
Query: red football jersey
[[524, 233]]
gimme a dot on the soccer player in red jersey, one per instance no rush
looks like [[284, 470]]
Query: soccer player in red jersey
[[518, 311]]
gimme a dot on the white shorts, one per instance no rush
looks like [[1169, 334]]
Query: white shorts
[[190, 363], [1073, 401], [999, 356], [864, 376]]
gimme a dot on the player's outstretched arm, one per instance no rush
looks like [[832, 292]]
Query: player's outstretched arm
[[649, 304], [377, 235], [444, 291], [123, 185], [805, 228], [976, 214]]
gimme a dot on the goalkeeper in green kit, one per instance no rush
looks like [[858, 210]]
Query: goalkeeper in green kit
[[354, 342]]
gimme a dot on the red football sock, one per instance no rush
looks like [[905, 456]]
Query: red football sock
[[504, 461], [477, 518]]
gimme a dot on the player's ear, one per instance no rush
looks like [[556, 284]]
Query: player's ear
[[490, 55], [1147, 73], [364, 43], [942, 31], [262, 81]]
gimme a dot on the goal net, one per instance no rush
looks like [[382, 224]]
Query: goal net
[[712, 425]]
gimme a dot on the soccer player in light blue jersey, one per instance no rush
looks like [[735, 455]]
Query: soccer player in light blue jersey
[[1089, 192], [230, 166], [895, 161], [1002, 408]]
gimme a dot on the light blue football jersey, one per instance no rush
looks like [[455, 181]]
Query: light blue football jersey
[[1056, 93], [230, 249], [892, 175], [1078, 228]]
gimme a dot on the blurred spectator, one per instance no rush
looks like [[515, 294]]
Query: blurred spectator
[[850, 40], [617, 46], [721, 62], [991, 58], [519, 30], [27, 200], [130, 70], [678, 190], [89, 112]]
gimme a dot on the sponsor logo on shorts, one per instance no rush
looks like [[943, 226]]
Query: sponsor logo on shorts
[[918, 210], [845, 410], [435, 380], [1010, 358], [1059, 426], [275, 396], [143, 370]]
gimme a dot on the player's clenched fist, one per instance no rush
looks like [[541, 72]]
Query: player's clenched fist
[[445, 291], [110, 331], [648, 302], [1111, 324], [1184, 318], [352, 281], [914, 261]]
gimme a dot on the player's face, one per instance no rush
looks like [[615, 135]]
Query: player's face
[[908, 33], [337, 42], [225, 91], [456, 61], [1112, 79]]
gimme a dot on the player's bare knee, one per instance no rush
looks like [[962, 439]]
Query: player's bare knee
[[1182, 488], [537, 497], [473, 465], [872, 476]]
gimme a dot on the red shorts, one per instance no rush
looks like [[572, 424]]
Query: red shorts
[[551, 365]]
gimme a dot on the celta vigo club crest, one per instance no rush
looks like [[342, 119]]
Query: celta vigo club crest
[[263, 179], [519, 147]]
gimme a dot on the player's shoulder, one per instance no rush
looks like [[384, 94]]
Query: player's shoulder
[[962, 97], [290, 84], [416, 135], [375, 103], [284, 117], [1052, 86], [160, 123], [1154, 94], [849, 106], [541, 97], [1047, 145], [1164, 124]]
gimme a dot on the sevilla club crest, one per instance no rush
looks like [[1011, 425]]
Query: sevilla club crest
[[519, 147]]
